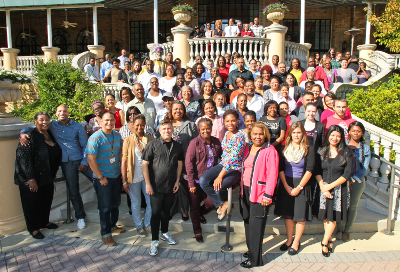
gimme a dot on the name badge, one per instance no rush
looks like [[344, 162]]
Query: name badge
[[112, 160]]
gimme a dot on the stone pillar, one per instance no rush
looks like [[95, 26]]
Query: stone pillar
[[181, 45], [50, 53], [364, 50], [11, 216], [276, 33], [9, 54], [98, 50]]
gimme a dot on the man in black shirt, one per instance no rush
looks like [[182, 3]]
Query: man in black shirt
[[162, 169], [281, 74], [353, 61], [240, 71]]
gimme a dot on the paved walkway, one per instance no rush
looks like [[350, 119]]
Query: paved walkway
[[60, 253]]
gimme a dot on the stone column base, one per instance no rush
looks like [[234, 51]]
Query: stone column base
[[364, 50], [276, 33], [181, 45], [9, 54], [98, 50], [50, 53]]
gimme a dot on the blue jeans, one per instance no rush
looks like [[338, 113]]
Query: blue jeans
[[71, 174], [136, 199], [108, 201], [207, 184]]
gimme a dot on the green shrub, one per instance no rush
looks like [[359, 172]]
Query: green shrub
[[60, 83], [379, 105]]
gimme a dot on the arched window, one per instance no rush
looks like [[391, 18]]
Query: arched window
[[84, 39], [62, 39], [28, 44]]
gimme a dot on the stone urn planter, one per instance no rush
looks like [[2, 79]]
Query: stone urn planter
[[9, 92], [276, 15], [182, 17]]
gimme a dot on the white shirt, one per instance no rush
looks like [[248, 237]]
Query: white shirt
[[303, 86], [138, 174], [167, 85], [144, 79], [292, 104], [257, 30], [231, 31], [256, 104], [122, 106], [157, 100], [274, 69], [122, 60], [92, 72]]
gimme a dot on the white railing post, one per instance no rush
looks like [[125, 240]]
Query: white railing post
[[230, 41], [245, 42], [251, 56], [196, 50], [201, 42], [385, 169], [207, 54], [256, 56], [240, 47], [212, 54], [223, 46], [375, 163], [217, 52], [191, 52], [234, 46]]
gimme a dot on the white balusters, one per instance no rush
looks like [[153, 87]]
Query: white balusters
[[256, 56], [212, 54], [201, 45], [385, 169], [207, 54], [196, 52], [223, 47], [234, 46], [240, 47], [265, 53], [245, 42], [229, 46], [251, 50], [191, 42], [375, 163], [217, 52]]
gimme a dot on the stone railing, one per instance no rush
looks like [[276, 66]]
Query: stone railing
[[114, 88], [168, 47], [80, 60], [382, 67], [64, 58], [26, 64], [212, 48], [377, 183], [296, 50]]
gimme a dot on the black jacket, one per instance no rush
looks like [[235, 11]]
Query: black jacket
[[319, 134], [33, 160]]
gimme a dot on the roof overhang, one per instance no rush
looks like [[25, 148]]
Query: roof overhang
[[332, 3]]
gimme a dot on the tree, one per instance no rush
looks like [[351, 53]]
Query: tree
[[60, 83], [387, 25]]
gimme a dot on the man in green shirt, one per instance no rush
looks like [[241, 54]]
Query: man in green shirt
[[145, 105]]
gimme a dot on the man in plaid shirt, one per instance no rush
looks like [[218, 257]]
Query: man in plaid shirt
[[257, 29]]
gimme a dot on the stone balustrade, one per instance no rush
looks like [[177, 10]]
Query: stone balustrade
[[114, 88], [296, 50], [167, 47]]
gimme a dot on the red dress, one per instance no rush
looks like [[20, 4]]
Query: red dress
[[117, 119], [224, 73]]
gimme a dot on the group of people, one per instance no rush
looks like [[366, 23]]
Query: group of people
[[180, 148]]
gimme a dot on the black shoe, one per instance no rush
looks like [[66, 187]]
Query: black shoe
[[185, 218], [292, 251], [246, 255], [130, 211], [325, 254], [285, 247], [51, 226], [38, 235], [246, 264], [203, 220], [330, 248], [199, 238]]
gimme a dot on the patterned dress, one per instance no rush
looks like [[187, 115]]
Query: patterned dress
[[233, 151]]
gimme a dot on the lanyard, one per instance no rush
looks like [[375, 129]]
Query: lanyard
[[111, 142]]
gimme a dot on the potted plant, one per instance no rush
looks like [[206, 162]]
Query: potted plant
[[182, 13], [9, 89], [275, 12]]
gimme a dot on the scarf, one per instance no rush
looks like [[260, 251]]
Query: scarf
[[140, 144], [293, 155]]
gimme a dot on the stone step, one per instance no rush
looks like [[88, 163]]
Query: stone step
[[367, 221]]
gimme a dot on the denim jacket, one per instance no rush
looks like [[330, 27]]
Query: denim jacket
[[361, 170]]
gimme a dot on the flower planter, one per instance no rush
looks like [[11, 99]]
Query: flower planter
[[276, 15], [9, 92], [182, 17]]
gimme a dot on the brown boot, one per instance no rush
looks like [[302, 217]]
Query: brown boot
[[109, 241], [118, 230]]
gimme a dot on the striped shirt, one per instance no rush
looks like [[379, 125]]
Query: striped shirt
[[107, 148]]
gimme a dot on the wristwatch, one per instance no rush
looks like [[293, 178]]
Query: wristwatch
[[301, 187]]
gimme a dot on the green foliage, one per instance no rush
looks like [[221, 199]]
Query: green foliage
[[379, 105], [183, 7], [14, 77], [274, 6], [60, 83]]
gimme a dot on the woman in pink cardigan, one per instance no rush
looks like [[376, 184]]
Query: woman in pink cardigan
[[259, 177]]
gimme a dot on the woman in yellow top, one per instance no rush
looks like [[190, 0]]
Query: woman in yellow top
[[296, 69], [132, 175]]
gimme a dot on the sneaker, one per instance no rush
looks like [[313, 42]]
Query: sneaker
[[118, 230], [153, 248], [168, 238], [109, 241], [81, 224], [147, 230], [339, 235], [141, 232]]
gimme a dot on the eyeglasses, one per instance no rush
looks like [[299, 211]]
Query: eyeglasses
[[154, 82], [132, 113]]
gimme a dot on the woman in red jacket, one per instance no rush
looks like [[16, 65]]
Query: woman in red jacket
[[294, 198], [202, 154], [259, 177]]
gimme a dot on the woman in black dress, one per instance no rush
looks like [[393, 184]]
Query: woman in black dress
[[294, 198], [333, 172], [36, 166]]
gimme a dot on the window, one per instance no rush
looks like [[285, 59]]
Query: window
[[28, 43], [62, 39], [85, 38], [318, 33], [142, 33], [212, 10]]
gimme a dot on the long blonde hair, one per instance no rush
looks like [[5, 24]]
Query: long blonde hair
[[303, 143]]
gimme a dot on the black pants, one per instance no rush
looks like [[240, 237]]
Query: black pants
[[160, 207], [36, 206], [255, 218]]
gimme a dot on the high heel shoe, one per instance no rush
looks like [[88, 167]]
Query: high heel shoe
[[292, 251], [325, 254], [330, 248], [285, 247]]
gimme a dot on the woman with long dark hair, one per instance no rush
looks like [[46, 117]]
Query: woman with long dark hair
[[332, 174], [362, 155], [125, 96], [276, 125], [241, 108], [209, 111], [223, 70], [296, 69], [219, 86], [294, 198]]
